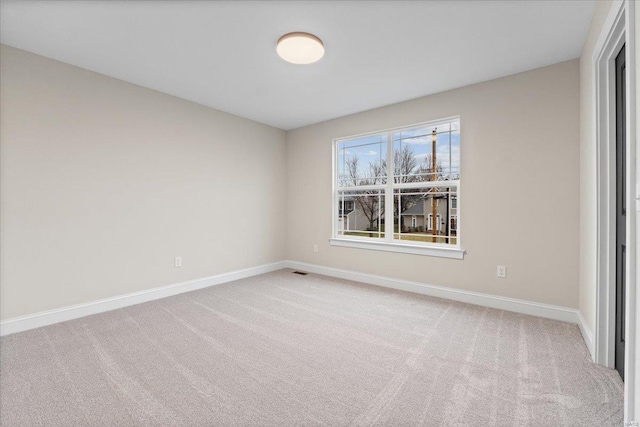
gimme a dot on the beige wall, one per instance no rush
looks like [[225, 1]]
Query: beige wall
[[519, 153], [588, 205], [104, 182]]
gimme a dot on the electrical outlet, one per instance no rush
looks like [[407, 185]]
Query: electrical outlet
[[177, 262], [502, 271], [315, 248]]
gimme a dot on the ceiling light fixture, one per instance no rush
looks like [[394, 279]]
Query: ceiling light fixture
[[300, 48]]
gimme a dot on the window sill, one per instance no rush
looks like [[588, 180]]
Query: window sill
[[406, 248]]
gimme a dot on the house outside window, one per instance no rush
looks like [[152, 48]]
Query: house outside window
[[454, 224], [392, 183]]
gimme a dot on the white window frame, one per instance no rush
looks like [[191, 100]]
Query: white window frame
[[388, 243]]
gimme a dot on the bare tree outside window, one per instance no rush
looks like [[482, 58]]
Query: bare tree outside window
[[369, 205]]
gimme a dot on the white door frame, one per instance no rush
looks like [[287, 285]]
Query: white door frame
[[618, 29]]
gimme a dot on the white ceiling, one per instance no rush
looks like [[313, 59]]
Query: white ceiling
[[222, 54]]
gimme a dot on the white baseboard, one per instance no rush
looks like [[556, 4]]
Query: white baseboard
[[486, 300], [44, 318], [586, 334]]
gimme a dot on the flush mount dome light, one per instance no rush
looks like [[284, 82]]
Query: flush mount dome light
[[300, 48]]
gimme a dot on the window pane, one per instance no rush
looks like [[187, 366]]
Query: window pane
[[429, 153], [361, 213], [362, 161], [426, 215], [455, 156], [411, 158]]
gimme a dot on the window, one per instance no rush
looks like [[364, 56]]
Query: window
[[393, 183]]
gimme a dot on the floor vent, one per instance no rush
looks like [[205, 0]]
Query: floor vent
[[302, 273]]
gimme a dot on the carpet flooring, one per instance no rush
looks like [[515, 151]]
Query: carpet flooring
[[287, 350]]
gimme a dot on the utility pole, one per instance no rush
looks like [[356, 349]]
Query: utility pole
[[434, 203]]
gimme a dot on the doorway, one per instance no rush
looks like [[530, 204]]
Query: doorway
[[618, 201], [621, 211]]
